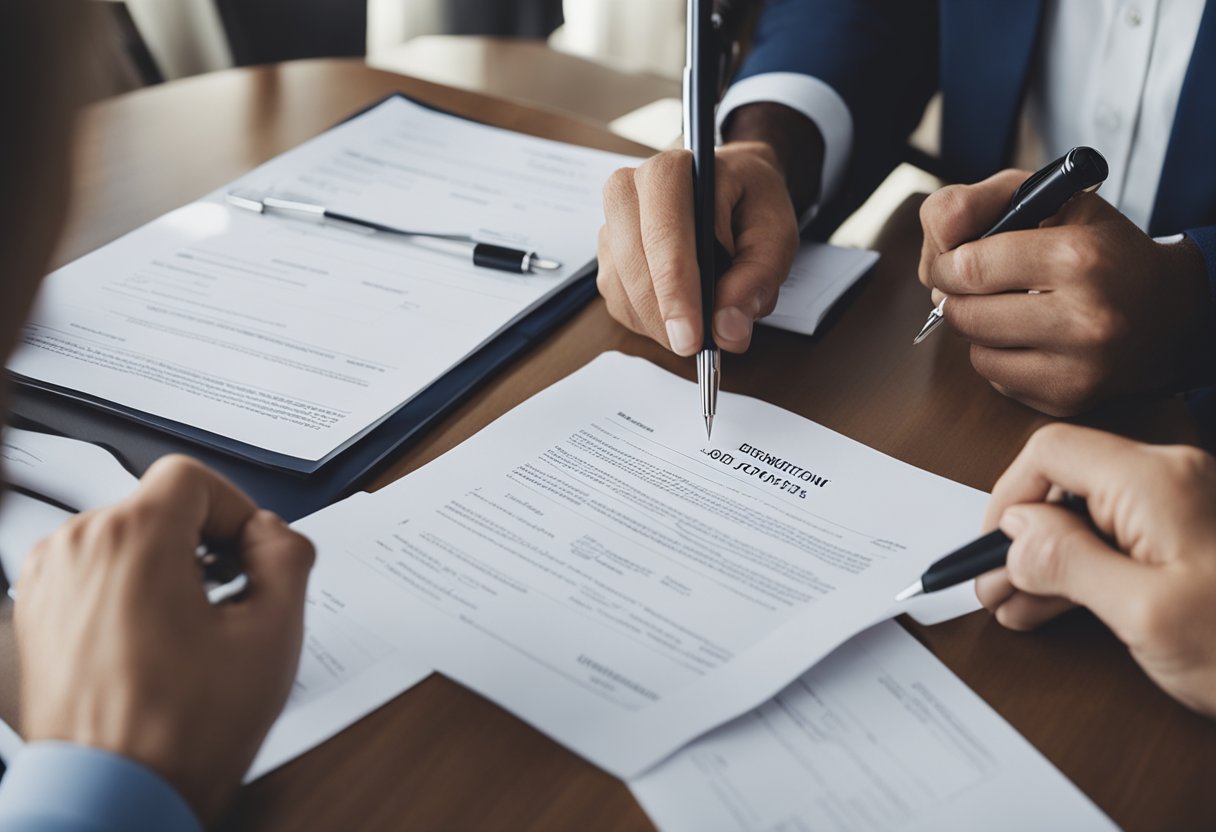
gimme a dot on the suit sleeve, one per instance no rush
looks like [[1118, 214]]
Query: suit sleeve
[[61, 787], [1205, 239], [862, 70]]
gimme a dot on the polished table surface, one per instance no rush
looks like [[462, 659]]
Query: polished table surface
[[441, 757]]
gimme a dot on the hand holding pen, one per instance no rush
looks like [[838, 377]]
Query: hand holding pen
[[1085, 307], [648, 270], [111, 614], [1143, 559]]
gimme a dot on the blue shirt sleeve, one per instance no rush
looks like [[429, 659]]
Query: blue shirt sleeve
[[62, 787]]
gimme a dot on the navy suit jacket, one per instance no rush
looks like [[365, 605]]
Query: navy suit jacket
[[886, 59]]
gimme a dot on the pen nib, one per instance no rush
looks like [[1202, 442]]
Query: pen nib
[[708, 378], [911, 592], [935, 318]]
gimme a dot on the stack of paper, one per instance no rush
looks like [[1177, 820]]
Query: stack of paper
[[592, 565], [878, 737], [641, 596], [287, 340], [821, 274]]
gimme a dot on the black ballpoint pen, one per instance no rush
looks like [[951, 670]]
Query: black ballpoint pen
[[979, 556], [486, 255], [1039, 197], [701, 86]]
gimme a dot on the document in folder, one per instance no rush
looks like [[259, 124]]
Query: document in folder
[[287, 339], [591, 565]]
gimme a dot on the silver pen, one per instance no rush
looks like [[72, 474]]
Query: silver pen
[[485, 255]]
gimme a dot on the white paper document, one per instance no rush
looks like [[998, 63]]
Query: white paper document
[[23, 522], [348, 667], [878, 737], [74, 474], [295, 337], [593, 565], [820, 276]]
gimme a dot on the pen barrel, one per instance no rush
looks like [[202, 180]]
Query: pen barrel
[[702, 95], [501, 258], [977, 557]]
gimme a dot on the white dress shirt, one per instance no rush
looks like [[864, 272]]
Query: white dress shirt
[[1107, 73]]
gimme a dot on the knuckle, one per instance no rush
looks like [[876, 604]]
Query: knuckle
[[945, 208], [1101, 326], [175, 470], [1191, 463], [618, 187], [766, 300], [75, 532], [1081, 254], [306, 552], [1041, 562], [1151, 618], [1046, 439], [620, 310], [114, 529], [963, 265], [984, 360], [663, 167], [606, 279]]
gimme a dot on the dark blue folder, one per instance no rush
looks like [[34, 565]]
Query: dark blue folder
[[138, 439]]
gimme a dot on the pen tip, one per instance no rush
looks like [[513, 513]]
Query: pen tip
[[911, 592], [929, 326], [709, 426]]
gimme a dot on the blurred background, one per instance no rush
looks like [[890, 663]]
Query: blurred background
[[547, 53], [614, 63]]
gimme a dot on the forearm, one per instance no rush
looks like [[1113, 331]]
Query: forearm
[[797, 145]]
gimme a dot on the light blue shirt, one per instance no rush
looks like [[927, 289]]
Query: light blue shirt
[[63, 787]]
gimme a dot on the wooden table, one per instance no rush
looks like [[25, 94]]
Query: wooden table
[[440, 757]]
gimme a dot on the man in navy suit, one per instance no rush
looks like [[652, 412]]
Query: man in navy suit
[[821, 112]]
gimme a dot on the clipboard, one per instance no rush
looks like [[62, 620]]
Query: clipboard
[[294, 494]]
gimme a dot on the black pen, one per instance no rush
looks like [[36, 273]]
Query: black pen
[[979, 556], [485, 255], [702, 81], [1039, 197]]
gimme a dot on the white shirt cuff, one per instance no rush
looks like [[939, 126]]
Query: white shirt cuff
[[815, 100]]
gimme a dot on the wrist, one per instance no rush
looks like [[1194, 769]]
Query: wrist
[[792, 142]]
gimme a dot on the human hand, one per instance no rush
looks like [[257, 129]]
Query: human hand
[[1157, 593], [1116, 313], [647, 255], [120, 650]]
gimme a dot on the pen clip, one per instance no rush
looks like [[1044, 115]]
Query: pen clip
[[1034, 180]]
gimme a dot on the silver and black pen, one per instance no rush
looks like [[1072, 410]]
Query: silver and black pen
[[485, 255], [701, 86], [978, 557], [1039, 197]]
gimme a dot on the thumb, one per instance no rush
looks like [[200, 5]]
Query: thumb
[[958, 214], [1056, 553]]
